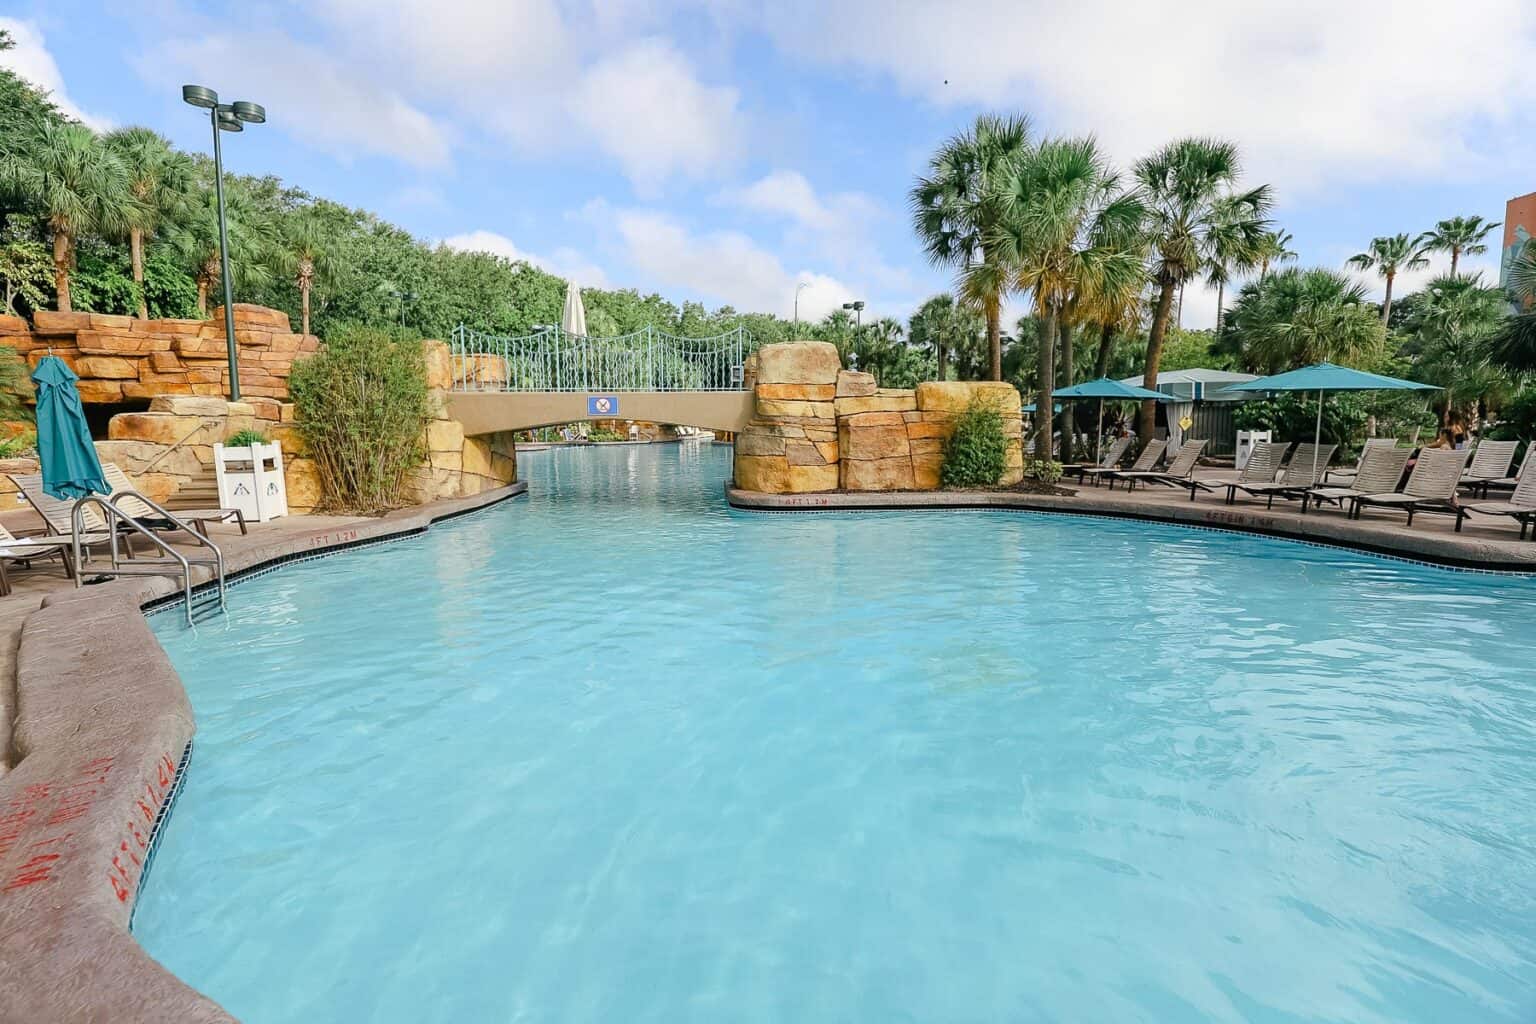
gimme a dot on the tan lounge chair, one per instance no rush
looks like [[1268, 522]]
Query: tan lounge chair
[[1301, 474], [1180, 469], [26, 550], [1111, 459], [1431, 487], [1146, 460], [1491, 460], [1342, 477], [58, 514], [125, 496], [1508, 482], [1381, 470], [1262, 467], [1521, 505]]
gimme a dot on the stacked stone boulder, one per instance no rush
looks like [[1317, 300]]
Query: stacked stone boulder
[[123, 359], [457, 466], [886, 439], [790, 444]]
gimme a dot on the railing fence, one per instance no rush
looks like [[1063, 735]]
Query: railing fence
[[552, 360]]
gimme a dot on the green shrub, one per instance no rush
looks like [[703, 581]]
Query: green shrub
[[22, 444], [15, 386], [1047, 471], [362, 410], [976, 453], [600, 434], [245, 438]]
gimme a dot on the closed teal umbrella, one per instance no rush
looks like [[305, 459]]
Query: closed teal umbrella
[[69, 464], [1325, 377], [1105, 388]]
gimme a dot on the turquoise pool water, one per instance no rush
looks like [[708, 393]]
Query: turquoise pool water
[[613, 752]]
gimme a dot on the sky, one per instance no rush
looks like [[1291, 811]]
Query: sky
[[731, 151]]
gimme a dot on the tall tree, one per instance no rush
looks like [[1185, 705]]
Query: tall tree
[[80, 186], [1189, 187], [302, 255], [1459, 236], [1451, 329], [958, 208], [1274, 247], [159, 178], [946, 326], [1301, 316], [195, 240], [1388, 256], [1065, 246], [1513, 345]]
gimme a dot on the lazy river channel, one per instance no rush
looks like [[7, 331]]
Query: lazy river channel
[[614, 752]]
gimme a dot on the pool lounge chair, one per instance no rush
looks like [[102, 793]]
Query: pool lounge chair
[[1145, 461], [126, 497], [1301, 474], [1262, 467], [1431, 487], [1491, 460], [1180, 469], [1510, 482], [1111, 459], [58, 514], [26, 550], [1521, 505], [1342, 477], [1381, 470]]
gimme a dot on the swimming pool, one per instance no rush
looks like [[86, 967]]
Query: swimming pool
[[615, 752]]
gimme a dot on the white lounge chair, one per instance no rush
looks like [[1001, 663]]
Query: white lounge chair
[[1301, 474], [26, 550], [125, 496], [1511, 481], [1110, 459], [1146, 460], [1343, 476], [1262, 467], [1491, 460], [1431, 487], [1381, 470]]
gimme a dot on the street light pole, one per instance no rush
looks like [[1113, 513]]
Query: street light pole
[[798, 289], [225, 117]]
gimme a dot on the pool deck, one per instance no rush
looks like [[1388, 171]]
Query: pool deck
[[1485, 542], [94, 731]]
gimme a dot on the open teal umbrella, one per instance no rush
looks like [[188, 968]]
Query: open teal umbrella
[[1105, 388], [1325, 377], [69, 464]]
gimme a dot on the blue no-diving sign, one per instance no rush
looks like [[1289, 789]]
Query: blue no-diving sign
[[602, 405]]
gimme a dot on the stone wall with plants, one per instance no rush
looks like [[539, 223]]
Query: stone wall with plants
[[819, 427], [124, 359]]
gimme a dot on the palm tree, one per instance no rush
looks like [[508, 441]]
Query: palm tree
[[944, 325], [1388, 255], [1188, 188], [1301, 316], [159, 178], [1065, 233], [80, 186], [301, 254], [1452, 332], [1459, 236], [957, 208], [1274, 247], [1513, 346], [1230, 254], [195, 240]]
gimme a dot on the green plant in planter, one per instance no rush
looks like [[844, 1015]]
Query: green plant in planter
[[1047, 471], [977, 452], [245, 438]]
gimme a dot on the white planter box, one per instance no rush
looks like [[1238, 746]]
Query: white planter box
[[251, 479]]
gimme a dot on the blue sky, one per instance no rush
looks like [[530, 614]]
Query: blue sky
[[728, 151]]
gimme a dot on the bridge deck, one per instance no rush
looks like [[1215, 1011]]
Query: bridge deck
[[488, 412]]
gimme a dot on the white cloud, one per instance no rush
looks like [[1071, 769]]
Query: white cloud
[[30, 60], [333, 107], [788, 194], [1314, 90], [565, 262], [645, 107]]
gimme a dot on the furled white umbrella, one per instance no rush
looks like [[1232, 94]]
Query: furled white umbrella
[[574, 319]]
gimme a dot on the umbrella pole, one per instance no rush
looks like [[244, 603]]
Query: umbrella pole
[[1317, 435]]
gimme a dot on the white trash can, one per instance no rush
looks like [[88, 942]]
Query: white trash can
[[1246, 439], [251, 479]]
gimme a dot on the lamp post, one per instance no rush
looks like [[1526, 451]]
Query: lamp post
[[225, 117], [858, 313], [802, 286]]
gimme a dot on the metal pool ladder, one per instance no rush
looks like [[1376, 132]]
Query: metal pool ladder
[[172, 563]]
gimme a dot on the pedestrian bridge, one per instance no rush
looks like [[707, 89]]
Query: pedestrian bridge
[[551, 377]]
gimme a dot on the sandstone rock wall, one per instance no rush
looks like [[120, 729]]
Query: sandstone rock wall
[[122, 358], [818, 427]]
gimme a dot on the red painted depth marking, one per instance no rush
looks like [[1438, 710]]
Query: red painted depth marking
[[127, 865], [71, 801]]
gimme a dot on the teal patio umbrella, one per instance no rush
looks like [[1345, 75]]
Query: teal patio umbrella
[[64, 449], [1112, 389], [1326, 377]]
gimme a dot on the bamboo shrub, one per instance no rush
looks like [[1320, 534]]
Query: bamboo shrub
[[362, 408]]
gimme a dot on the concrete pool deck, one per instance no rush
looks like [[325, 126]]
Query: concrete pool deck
[[1485, 542], [94, 731]]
